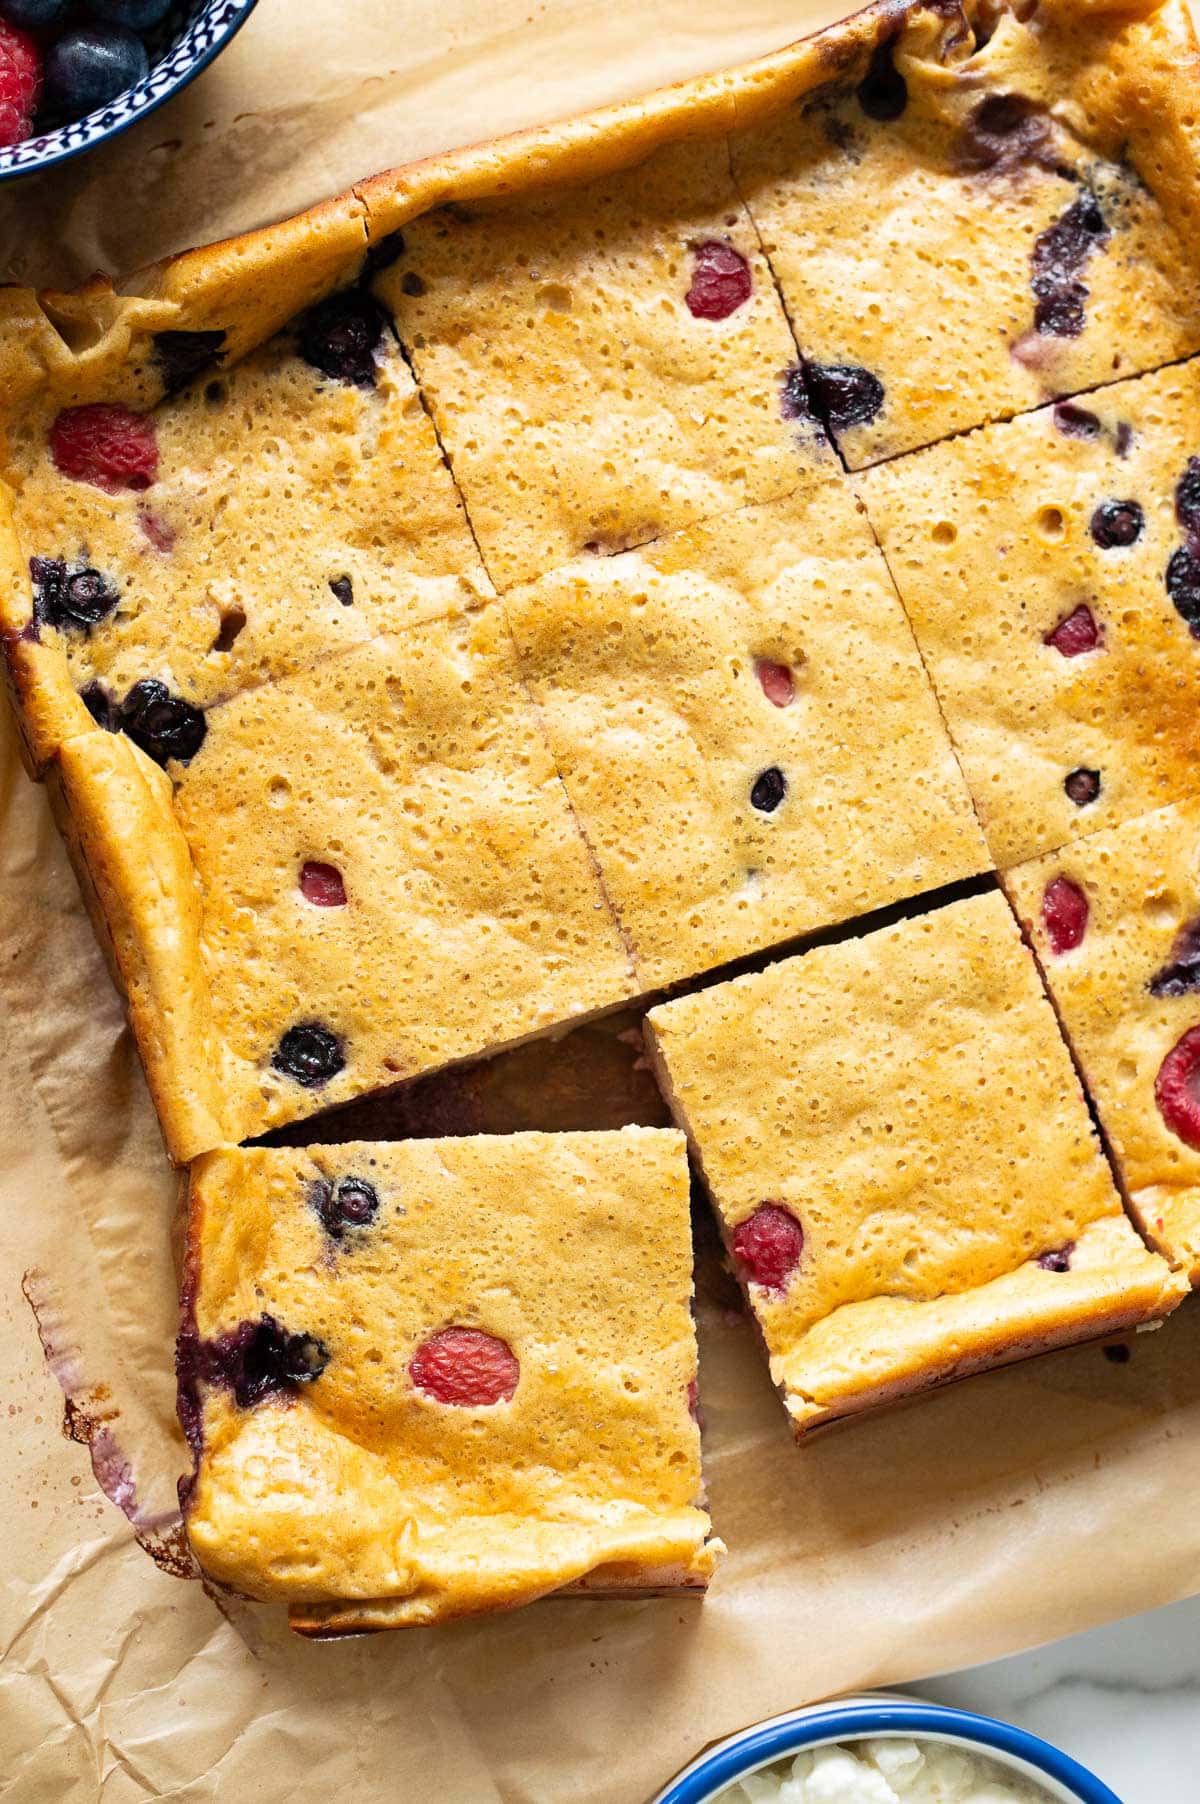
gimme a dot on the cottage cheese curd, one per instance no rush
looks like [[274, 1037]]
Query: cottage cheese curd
[[892, 1770]]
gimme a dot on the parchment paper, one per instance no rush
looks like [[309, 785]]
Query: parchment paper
[[1006, 1511]]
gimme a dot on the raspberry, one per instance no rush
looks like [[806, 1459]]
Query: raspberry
[[1076, 633], [105, 445], [720, 280], [1177, 1089], [20, 83], [322, 885], [1065, 914], [466, 1367], [776, 680], [768, 1245]]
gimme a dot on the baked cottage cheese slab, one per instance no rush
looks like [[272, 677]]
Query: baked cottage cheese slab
[[745, 731], [486, 1344], [362, 872], [1048, 566], [965, 221], [901, 1159], [1115, 922]]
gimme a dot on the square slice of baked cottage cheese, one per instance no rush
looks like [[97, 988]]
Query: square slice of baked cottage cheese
[[900, 1155], [486, 1344]]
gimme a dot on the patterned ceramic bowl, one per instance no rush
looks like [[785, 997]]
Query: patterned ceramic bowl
[[846, 1720], [187, 41]]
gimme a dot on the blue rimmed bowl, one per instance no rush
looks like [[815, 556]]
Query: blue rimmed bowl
[[190, 39], [848, 1720]]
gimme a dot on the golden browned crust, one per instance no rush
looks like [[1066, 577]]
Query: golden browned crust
[[114, 809]]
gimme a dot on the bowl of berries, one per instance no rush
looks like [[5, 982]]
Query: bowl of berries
[[76, 72]]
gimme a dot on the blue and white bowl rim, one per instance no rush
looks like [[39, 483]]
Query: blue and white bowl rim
[[199, 42], [853, 1719]]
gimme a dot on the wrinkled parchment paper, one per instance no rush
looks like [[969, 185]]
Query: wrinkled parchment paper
[[1006, 1511]]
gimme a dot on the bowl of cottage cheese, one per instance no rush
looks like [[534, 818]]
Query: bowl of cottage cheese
[[884, 1750]]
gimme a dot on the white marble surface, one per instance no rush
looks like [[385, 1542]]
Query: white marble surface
[[1124, 1699]]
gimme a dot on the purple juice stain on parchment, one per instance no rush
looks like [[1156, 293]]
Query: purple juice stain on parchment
[[90, 1420]]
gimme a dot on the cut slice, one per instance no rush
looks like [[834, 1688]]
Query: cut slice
[[745, 731], [1047, 568], [1115, 921], [960, 233], [415, 770], [297, 506], [431, 1378], [901, 1158], [604, 364]]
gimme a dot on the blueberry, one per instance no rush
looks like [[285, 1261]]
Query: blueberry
[[1082, 786], [341, 334], [181, 356], [101, 706], [1059, 1260], [770, 787], [69, 596], [1187, 496], [34, 15], [258, 1359], [1059, 254], [310, 1054], [381, 256], [343, 588], [1183, 586], [137, 15], [1181, 976], [350, 1203], [1002, 132], [162, 724], [1076, 422], [89, 67], [883, 92], [1117, 523], [844, 394]]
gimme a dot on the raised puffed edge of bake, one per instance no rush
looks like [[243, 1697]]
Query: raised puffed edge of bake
[[115, 810], [95, 343]]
